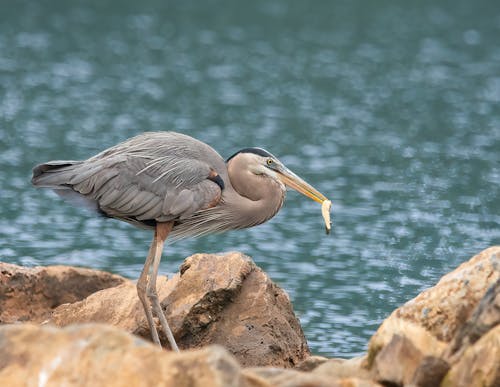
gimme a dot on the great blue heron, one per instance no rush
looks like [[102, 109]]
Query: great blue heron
[[178, 186]]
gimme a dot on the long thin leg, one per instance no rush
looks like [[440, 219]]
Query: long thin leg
[[161, 232], [142, 284]]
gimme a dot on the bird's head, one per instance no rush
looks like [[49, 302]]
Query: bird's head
[[259, 162]]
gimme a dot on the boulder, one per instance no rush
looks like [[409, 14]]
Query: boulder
[[479, 365], [310, 363], [343, 368], [278, 377], [412, 346], [397, 362], [444, 308], [324, 372], [214, 299], [410, 339], [474, 352], [101, 355], [429, 372], [118, 306], [30, 294], [485, 317]]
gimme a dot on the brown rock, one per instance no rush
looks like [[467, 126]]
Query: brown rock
[[479, 365], [118, 306], [430, 372], [423, 341], [443, 308], [409, 347], [310, 363], [99, 355], [397, 361], [30, 294], [485, 317], [278, 377], [224, 299], [356, 382], [343, 368], [438, 312], [401, 363]]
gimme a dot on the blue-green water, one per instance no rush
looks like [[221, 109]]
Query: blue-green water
[[392, 109]]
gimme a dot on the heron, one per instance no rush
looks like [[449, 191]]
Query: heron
[[177, 186]]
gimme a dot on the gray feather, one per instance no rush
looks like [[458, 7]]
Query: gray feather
[[157, 175], [182, 202], [54, 173], [149, 210]]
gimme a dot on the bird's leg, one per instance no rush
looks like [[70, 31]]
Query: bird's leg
[[161, 232], [142, 284]]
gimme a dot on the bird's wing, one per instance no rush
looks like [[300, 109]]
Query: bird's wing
[[156, 176]]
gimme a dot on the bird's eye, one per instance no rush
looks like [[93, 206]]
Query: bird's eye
[[270, 162]]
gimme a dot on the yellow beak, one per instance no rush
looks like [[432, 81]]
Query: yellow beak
[[291, 180]]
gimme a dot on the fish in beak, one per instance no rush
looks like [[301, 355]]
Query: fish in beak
[[293, 181]]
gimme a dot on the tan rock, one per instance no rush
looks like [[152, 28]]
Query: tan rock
[[278, 377], [356, 382], [485, 317], [310, 363], [430, 372], [224, 299], [410, 347], [436, 313], [99, 355], [343, 368], [118, 306], [479, 365], [423, 341], [443, 308], [30, 294], [397, 362]]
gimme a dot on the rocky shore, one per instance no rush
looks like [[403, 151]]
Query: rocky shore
[[80, 327]]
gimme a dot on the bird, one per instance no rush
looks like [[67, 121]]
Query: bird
[[177, 186]]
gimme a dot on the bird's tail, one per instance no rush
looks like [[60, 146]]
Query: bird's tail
[[55, 174]]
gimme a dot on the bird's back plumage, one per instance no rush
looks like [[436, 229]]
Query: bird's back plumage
[[155, 176]]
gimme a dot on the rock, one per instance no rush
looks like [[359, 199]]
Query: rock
[[403, 353], [401, 363], [224, 299], [438, 312], [328, 373], [342, 368], [30, 294], [410, 347], [278, 377], [430, 372], [443, 308], [310, 363], [414, 335], [118, 306], [99, 355], [475, 350], [397, 361], [479, 365], [485, 317]]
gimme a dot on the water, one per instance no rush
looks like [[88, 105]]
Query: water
[[391, 109]]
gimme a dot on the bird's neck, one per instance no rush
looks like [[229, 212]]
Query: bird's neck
[[250, 198], [247, 212]]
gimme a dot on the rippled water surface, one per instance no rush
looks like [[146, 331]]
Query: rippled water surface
[[391, 109]]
